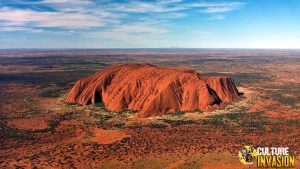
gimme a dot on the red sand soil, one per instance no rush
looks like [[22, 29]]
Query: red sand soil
[[32, 123], [152, 90], [107, 136]]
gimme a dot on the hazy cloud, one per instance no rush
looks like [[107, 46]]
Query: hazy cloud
[[11, 28], [124, 20], [20, 17], [223, 7], [77, 2]]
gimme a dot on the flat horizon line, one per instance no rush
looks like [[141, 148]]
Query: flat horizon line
[[174, 48]]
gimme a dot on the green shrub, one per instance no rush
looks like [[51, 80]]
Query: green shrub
[[157, 125], [178, 122], [99, 104], [178, 113], [50, 93]]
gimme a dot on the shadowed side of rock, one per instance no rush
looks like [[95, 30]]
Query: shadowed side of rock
[[152, 90]]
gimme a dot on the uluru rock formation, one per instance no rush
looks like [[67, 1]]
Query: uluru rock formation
[[152, 90]]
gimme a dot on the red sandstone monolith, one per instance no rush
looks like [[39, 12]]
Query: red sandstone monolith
[[152, 90]]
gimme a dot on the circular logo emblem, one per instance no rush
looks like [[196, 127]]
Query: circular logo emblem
[[247, 155]]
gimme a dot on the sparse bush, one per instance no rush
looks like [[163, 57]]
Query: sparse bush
[[157, 125], [293, 122], [50, 93], [275, 128], [178, 113], [99, 104], [233, 116], [256, 124], [178, 122], [101, 116]]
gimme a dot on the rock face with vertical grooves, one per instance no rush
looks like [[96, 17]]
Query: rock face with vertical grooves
[[152, 90]]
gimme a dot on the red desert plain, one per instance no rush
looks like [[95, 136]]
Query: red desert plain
[[156, 109]]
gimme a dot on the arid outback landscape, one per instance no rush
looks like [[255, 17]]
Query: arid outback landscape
[[40, 128]]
